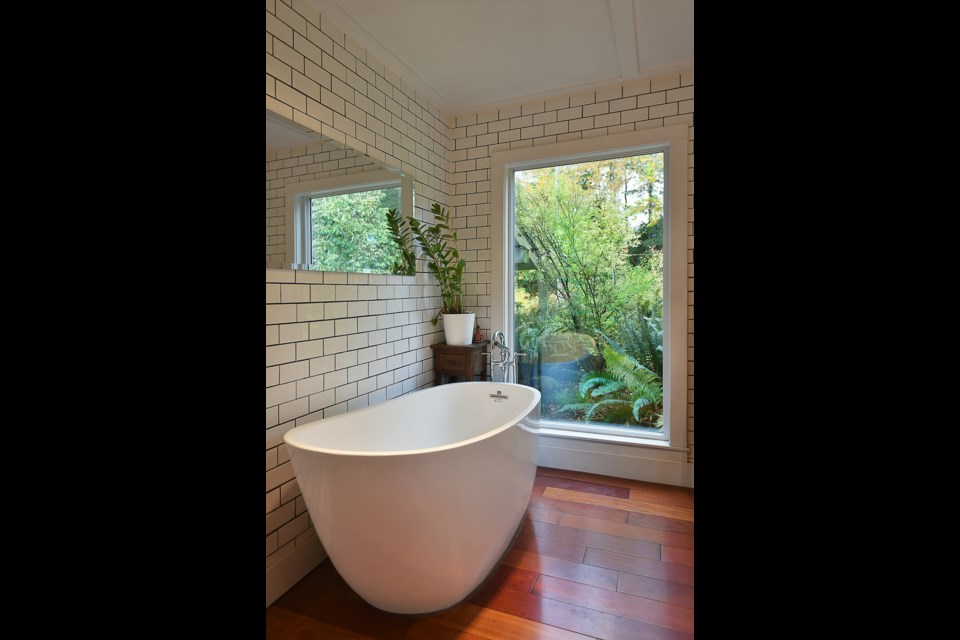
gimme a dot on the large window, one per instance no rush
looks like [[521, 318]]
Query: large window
[[592, 261], [588, 290]]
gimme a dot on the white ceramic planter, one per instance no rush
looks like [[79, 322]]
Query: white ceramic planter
[[458, 327]]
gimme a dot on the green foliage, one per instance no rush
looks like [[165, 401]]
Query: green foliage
[[647, 239], [439, 244], [643, 286], [529, 337], [630, 386], [348, 233], [400, 234], [555, 395], [592, 236], [576, 237], [641, 338]]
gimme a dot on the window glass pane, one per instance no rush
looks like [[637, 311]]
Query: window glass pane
[[349, 232], [588, 290]]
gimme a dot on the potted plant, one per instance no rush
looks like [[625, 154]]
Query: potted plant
[[438, 242]]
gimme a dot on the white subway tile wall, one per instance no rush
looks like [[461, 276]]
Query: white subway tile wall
[[336, 342]]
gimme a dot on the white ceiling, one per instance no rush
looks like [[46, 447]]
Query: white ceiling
[[465, 55]]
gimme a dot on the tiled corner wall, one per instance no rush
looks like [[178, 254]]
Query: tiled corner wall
[[646, 104], [304, 163], [335, 341]]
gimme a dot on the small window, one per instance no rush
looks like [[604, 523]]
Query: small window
[[340, 224]]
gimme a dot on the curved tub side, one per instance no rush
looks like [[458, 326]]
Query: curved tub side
[[418, 533]]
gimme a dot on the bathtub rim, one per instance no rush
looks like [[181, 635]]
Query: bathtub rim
[[290, 437]]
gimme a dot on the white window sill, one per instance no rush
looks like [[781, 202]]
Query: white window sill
[[632, 441], [612, 454]]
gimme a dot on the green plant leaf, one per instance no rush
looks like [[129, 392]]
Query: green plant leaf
[[638, 404], [604, 405], [609, 387], [438, 244]]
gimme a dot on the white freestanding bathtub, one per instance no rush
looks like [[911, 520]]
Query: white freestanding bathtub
[[417, 498]]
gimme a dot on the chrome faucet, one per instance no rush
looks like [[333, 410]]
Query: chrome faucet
[[499, 342]]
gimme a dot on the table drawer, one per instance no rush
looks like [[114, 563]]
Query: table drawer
[[451, 362]]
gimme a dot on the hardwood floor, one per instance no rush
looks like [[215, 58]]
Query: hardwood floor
[[596, 557]]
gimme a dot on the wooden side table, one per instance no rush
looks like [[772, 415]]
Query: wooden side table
[[456, 360]]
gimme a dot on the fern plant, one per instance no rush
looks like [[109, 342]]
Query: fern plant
[[631, 383], [642, 339]]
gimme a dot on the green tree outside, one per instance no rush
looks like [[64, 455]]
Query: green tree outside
[[591, 239], [349, 232]]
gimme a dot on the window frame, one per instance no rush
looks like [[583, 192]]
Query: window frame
[[673, 142], [298, 211]]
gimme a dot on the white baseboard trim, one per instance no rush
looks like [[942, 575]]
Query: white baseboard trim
[[621, 461], [292, 568]]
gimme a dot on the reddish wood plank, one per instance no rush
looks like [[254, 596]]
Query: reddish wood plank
[[629, 483], [681, 574], [288, 625], [579, 509], [679, 556], [596, 539], [544, 515], [654, 589], [497, 625], [626, 530], [665, 494], [529, 541], [511, 577], [682, 498], [624, 604], [431, 629], [654, 521], [323, 595], [557, 473], [560, 568], [590, 622], [579, 486], [537, 490], [680, 513]]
